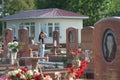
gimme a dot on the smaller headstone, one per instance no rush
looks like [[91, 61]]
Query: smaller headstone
[[23, 42], [87, 38], [56, 46], [23, 45], [87, 45], [71, 43], [71, 39], [8, 37]]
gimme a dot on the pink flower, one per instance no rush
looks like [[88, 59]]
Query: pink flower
[[1, 79], [69, 50], [48, 77]]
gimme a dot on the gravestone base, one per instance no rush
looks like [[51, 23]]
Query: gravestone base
[[56, 51]]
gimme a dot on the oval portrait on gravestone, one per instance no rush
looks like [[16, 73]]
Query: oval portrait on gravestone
[[109, 45], [70, 36]]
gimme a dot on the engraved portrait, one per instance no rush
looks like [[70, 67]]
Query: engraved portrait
[[70, 36], [109, 45]]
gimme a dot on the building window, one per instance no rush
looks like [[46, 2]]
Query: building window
[[29, 30], [53, 27], [14, 33], [30, 27], [43, 27], [57, 27], [50, 29], [21, 26]]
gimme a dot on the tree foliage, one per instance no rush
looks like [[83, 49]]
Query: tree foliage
[[113, 8], [15, 6], [42, 4], [91, 8]]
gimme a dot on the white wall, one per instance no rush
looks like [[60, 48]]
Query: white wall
[[64, 24]]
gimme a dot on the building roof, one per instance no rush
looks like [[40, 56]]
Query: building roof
[[44, 13]]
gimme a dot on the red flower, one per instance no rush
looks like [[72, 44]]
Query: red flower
[[18, 75], [84, 63], [24, 70], [37, 77], [44, 74], [81, 69], [8, 78], [79, 73], [71, 70], [74, 54], [77, 52], [69, 50]]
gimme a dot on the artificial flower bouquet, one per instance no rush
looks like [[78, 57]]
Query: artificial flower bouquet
[[78, 65], [13, 46], [74, 72], [26, 74], [72, 53]]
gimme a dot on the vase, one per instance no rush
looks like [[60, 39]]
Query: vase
[[13, 57]]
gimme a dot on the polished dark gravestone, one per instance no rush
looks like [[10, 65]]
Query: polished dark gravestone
[[106, 49]]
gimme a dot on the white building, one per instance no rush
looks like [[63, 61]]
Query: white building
[[46, 20]]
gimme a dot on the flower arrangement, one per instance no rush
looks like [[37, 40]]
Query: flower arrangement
[[13, 46], [72, 53], [25, 74], [75, 56], [74, 73], [78, 65]]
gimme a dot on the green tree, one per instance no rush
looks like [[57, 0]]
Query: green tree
[[113, 8], [42, 4], [91, 8], [15, 6]]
